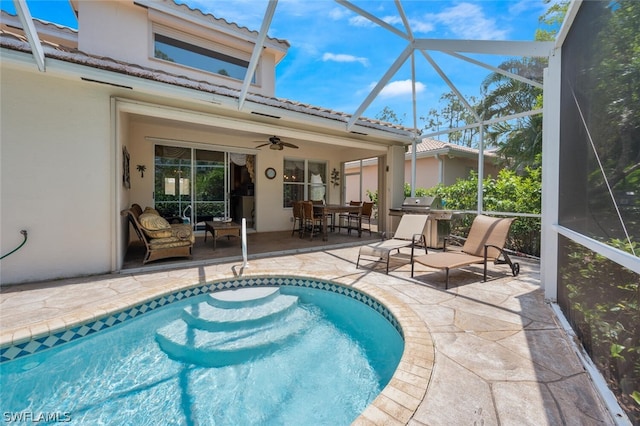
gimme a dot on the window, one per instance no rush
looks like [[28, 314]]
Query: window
[[183, 53], [304, 180]]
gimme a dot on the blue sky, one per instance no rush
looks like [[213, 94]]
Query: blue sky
[[337, 57]]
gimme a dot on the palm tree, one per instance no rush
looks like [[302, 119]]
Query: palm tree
[[520, 139]]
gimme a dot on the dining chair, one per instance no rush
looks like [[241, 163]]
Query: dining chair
[[329, 215], [297, 218], [348, 218], [365, 215], [311, 222]]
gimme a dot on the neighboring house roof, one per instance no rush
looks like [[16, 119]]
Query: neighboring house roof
[[15, 40], [431, 147]]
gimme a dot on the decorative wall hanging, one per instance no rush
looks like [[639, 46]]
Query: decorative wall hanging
[[141, 168], [335, 177], [126, 177]]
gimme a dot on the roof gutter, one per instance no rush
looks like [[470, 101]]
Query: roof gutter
[[30, 31]]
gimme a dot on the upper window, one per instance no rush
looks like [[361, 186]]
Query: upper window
[[180, 52]]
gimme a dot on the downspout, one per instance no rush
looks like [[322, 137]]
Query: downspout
[[30, 31], [440, 169]]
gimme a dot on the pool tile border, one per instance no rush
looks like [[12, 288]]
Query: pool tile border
[[50, 340]]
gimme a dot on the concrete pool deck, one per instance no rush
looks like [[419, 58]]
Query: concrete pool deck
[[489, 353]]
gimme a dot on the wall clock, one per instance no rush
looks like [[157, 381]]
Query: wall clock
[[270, 173]]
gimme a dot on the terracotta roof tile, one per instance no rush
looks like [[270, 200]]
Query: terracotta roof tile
[[428, 145], [17, 41]]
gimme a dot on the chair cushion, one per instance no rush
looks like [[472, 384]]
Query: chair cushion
[[448, 260], [382, 248], [155, 226], [183, 231], [166, 243], [487, 230], [151, 210]]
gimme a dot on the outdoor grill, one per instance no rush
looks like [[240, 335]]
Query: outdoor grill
[[438, 225]]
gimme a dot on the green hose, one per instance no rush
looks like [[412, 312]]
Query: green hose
[[23, 232]]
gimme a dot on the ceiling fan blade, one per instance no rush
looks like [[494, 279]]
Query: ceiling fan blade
[[289, 145], [264, 144]]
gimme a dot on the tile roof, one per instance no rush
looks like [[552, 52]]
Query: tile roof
[[211, 18], [17, 41], [432, 146]]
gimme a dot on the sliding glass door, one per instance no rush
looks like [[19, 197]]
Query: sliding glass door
[[211, 177], [195, 185], [172, 195]]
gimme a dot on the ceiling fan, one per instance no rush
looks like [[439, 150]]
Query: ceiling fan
[[277, 144]]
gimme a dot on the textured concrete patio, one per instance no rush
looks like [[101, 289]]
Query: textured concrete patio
[[480, 353]]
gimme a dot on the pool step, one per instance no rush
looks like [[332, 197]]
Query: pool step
[[214, 318], [215, 336], [243, 297]]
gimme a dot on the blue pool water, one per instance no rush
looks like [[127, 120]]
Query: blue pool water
[[316, 358]]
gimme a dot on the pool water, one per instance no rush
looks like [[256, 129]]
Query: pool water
[[318, 360]]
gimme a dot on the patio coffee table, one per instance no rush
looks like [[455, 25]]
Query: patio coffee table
[[220, 229]]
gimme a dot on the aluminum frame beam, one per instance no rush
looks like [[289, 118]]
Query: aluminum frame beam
[[257, 51], [30, 31], [488, 47]]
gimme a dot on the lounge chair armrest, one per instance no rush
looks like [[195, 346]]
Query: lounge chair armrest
[[501, 252]]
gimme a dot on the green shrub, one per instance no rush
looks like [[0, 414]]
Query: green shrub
[[509, 192], [601, 299]]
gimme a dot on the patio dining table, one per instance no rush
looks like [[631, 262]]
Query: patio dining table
[[331, 209]]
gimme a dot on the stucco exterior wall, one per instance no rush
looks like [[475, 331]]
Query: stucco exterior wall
[[427, 172], [56, 178], [124, 31]]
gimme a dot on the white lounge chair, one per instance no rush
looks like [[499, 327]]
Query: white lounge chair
[[410, 233]]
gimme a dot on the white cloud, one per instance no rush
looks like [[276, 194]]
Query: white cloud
[[399, 88], [337, 13], [526, 6], [421, 27], [361, 21], [340, 57], [417, 26], [468, 21], [392, 19]]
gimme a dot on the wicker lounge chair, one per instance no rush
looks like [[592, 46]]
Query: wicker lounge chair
[[161, 239], [485, 242], [410, 233]]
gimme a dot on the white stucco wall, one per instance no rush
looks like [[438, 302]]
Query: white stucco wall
[[123, 31], [55, 177]]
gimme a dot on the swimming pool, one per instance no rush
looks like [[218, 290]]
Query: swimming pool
[[355, 343]]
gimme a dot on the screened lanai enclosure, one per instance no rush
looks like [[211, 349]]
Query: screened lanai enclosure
[[591, 179], [598, 220], [590, 133]]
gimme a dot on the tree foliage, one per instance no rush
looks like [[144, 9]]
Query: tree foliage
[[389, 115], [508, 192], [614, 93], [452, 114], [606, 318]]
